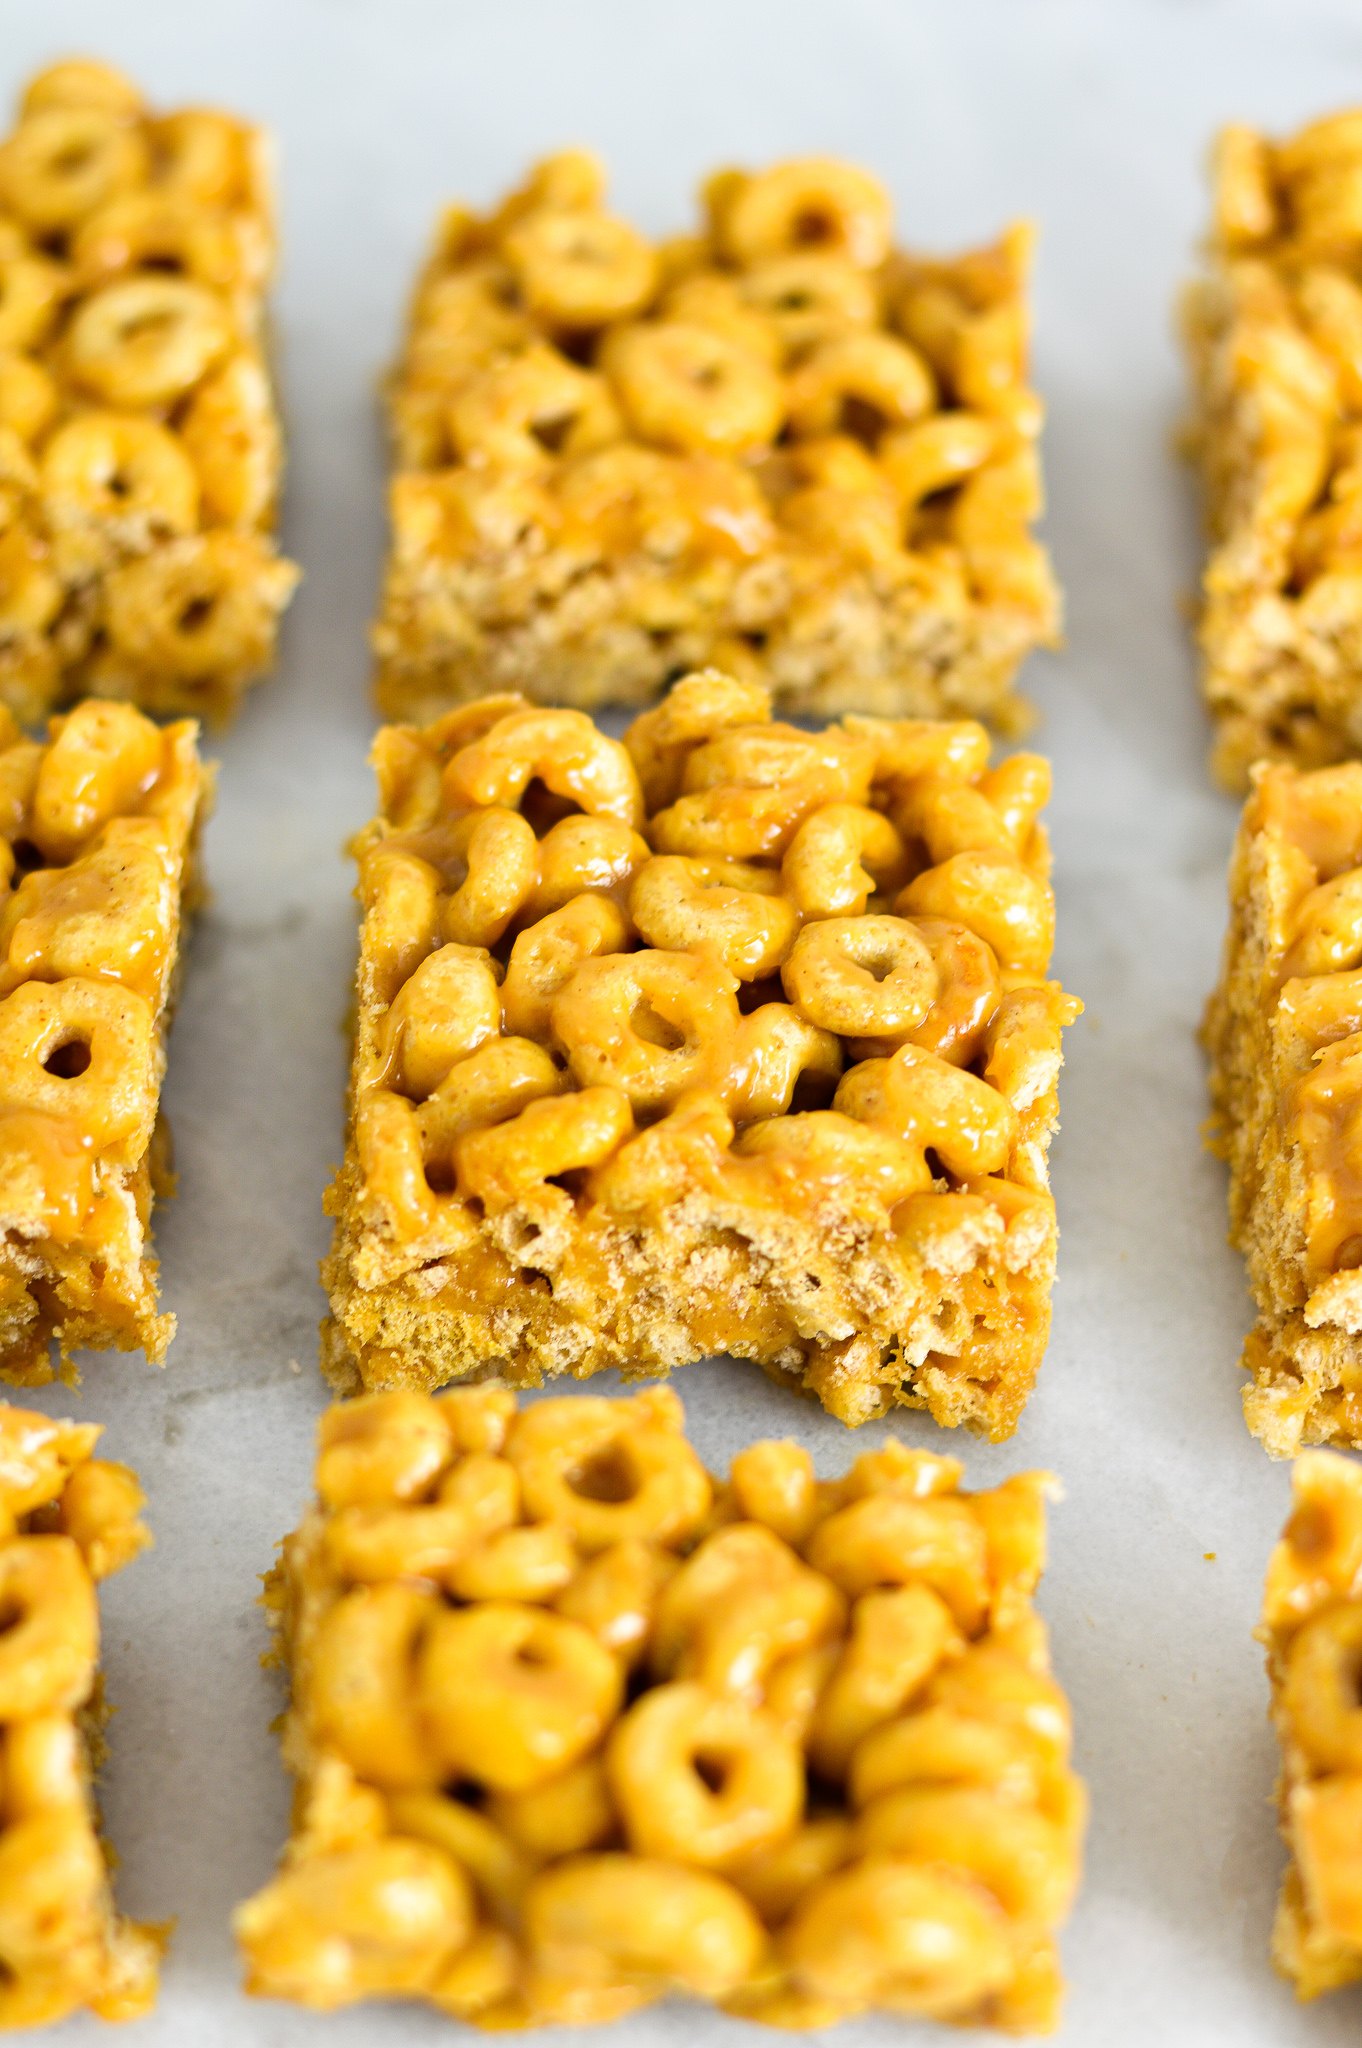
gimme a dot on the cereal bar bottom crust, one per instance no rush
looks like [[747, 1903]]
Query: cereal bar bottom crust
[[1274, 336], [778, 445], [1312, 1627], [140, 451], [630, 1101], [575, 1727], [1285, 1035], [99, 832], [67, 1520]]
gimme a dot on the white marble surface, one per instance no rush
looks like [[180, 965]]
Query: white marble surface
[[1095, 118]]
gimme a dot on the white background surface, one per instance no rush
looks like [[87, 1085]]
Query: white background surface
[[1095, 117]]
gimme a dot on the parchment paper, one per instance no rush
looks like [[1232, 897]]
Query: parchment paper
[[1095, 118]]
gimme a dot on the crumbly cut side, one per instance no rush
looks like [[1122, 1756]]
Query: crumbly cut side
[[1273, 330], [67, 1520], [778, 445], [140, 450], [99, 834], [1312, 1629], [729, 1038], [615, 1730], [1285, 1034]]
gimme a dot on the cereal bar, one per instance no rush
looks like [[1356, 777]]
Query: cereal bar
[[99, 837], [1285, 1035], [1312, 1627], [731, 1037], [67, 1520], [575, 1727], [139, 445], [1274, 335], [778, 445]]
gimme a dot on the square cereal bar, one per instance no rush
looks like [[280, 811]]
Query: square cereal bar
[[1312, 1627], [99, 833], [731, 1037], [139, 445], [777, 444], [1274, 335], [66, 1521], [1285, 1035], [611, 1730]]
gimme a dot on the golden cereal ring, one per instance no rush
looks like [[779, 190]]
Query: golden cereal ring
[[578, 267], [154, 230], [563, 750], [614, 1595], [230, 432], [51, 1634], [513, 1695], [147, 340], [544, 957], [401, 896], [649, 1926], [362, 1691], [610, 1471], [28, 395], [449, 1007], [521, 412], [201, 607], [773, 1483], [102, 759], [578, 855], [861, 975], [207, 157], [927, 1102], [939, 1747], [530, 1565], [776, 1879], [37, 1456], [890, 1540], [564, 1817], [899, 1937], [936, 453], [693, 711], [860, 384], [992, 1683], [81, 82], [819, 1148], [774, 1050], [772, 757], [991, 893], [99, 1512], [1025, 1859], [499, 1871], [711, 298], [967, 998], [897, 1640], [356, 1922], [740, 1603], [653, 1760], [905, 749], [84, 1051], [381, 1448], [727, 908], [646, 1023], [30, 594], [114, 466], [839, 858], [1319, 1693], [808, 296], [31, 294], [63, 161], [693, 389], [579, 1129], [498, 847], [810, 203], [489, 1086]]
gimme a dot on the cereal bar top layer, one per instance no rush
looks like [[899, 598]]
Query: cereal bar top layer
[[98, 854], [1285, 1033], [1274, 332], [139, 446], [67, 1520], [777, 444], [1312, 1627], [614, 1730], [730, 1036]]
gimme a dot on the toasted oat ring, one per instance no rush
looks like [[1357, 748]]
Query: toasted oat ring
[[968, 993], [81, 82], [861, 976], [563, 749], [1023, 1856], [231, 435], [30, 594], [520, 412], [28, 395], [204, 155], [860, 384], [499, 848], [513, 1695], [649, 1023], [653, 1762], [447, 1008], [693, 389], [713, 298], [31, 292], [809, 296], [606, 1474], [147, 340], [840, 857], [578, 267], [989, 891], [199, 607], [50, 1635], [62, 162], [809, 203], [654, 1926], [692, 712], [490, 1085], [900, 1937], [141, 230], [103, 760], [362, 1685], [936, 453], [79, 1050], [724, 907], [581, 854], [1320, 1694], [545, 954], [112, 465]]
